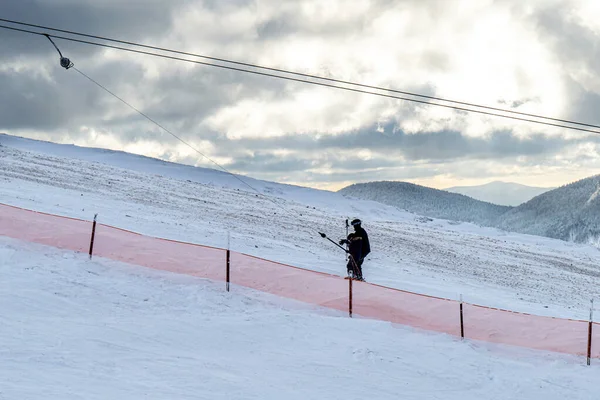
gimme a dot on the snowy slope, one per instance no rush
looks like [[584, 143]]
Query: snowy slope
[[79, 329], [503, 193], [436, 257], [215, 177]]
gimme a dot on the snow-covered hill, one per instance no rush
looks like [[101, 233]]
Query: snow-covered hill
[[427, 201], [502, 193], [436, 257], [571, 212], [147, 165]]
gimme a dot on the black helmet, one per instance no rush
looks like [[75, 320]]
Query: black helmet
[[356, 221]]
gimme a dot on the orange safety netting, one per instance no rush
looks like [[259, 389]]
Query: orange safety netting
[[533, 331], [167, 255], [31, 226], [368, 300], [300, 284]]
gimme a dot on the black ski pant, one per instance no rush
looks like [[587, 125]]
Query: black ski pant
[[355, 267]]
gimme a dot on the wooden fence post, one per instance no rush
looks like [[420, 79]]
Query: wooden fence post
[[228, 257], [591, 323], [93, 235], [350, 296], [228, 261], [462, 324]]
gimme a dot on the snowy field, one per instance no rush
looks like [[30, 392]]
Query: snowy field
[[437, 257], [79, 329]]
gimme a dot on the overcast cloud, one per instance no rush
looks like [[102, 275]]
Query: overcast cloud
[[538, 57]]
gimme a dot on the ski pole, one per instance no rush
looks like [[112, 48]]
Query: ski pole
[[324, 236], [347, 226]]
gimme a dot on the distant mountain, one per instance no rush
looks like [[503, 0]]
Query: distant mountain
[[503, 193], [571, 212], [427, 201]]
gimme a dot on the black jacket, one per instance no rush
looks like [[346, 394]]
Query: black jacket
[[366, 246]]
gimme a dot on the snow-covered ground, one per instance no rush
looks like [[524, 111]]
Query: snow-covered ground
[[79, 329], [436, 257]]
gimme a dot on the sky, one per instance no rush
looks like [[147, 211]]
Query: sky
[[536, 57]]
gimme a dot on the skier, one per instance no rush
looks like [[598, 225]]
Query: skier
[[366, 246], [354, 243]]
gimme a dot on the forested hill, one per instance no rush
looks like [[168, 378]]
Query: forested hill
[[428, 201], [570, 212]]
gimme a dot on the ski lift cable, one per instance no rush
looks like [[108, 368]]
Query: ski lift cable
[[306, 81], [312, 76]]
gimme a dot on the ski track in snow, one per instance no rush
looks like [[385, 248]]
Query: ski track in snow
[[436, 257]]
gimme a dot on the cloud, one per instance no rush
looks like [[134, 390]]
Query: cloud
[[538, 57], [134, 20], [575, 44], [431, 146]]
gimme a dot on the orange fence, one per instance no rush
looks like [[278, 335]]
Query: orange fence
[[363, 299]]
